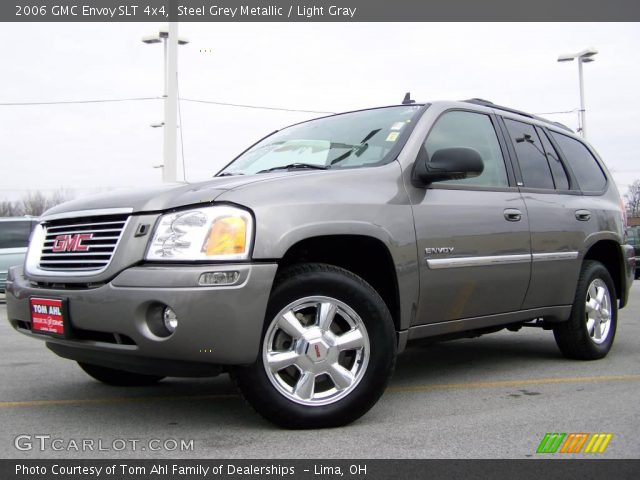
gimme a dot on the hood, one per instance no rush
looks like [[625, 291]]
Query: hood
[[165, 197]]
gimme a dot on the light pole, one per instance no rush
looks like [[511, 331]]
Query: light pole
[[584, 56], [170, 40]]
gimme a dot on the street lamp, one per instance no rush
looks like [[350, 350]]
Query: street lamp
[[584, 56], [169, 38]]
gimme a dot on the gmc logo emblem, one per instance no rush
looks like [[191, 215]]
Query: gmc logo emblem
[[71, 243]]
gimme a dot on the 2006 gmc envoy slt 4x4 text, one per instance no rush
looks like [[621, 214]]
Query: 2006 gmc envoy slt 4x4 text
[[307, 264]]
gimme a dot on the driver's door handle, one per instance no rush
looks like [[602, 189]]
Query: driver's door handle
[[512, 214]]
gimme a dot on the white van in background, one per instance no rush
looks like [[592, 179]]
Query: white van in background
[[14, 240]]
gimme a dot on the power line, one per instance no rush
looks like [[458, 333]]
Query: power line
[[553, 113], [65, 102], [260, 107], [194, 100]]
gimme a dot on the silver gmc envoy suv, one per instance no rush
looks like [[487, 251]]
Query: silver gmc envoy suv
[[312, 259]]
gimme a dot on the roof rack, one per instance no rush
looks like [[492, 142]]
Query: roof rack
[[487, 103]]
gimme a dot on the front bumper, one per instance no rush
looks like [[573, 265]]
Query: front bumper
[[109, 324]]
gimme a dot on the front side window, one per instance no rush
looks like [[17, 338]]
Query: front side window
[[14, 234], [584, 166], [357, 139], [470, 130]]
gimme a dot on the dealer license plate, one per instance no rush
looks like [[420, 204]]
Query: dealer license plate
[[47, 316]]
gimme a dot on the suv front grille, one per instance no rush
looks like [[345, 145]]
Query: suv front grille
[[85, 244]]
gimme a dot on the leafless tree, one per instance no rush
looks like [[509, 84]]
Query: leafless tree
[[633, 199], [58, 197], [33, 203], [10, 209]]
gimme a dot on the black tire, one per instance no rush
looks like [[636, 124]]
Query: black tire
[[320, 280], [573, 336], [118, 378]]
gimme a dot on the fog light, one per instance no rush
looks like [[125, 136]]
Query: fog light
[[170, 319], [219, 278]]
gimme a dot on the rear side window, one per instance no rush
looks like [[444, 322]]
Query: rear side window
[[532, 158], [557, 168], [585, 167], [14, 234], [471, 130]]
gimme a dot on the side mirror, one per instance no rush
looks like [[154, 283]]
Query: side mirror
[[447, 164]]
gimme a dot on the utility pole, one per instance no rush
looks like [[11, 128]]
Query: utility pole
[[170, 170], [583, 116], [170, 40], [585, 56]]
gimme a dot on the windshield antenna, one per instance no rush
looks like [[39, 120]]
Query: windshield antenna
[[407, 99]]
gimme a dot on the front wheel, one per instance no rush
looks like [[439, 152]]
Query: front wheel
[[327, 353], [591, 328]]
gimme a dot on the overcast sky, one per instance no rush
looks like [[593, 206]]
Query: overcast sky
[[333, 67]]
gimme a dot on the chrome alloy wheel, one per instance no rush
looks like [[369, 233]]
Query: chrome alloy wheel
[[598, 311], [316, 351]]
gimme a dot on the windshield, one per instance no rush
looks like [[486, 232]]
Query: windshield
[[357, 139]]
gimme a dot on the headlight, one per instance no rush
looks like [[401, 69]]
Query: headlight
[[209, 233], [34, 253]]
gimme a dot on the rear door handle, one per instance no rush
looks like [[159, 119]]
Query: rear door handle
[[512, 214], [583, 215]]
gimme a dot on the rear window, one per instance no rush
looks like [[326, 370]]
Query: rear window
[[14, 234], [590, 176]]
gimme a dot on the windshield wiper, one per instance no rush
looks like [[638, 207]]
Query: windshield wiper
[[292, 166], [229, 174], [358, 149]]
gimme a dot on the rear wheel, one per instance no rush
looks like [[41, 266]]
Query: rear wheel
[[328, 350], [589, 332], [118, 378]]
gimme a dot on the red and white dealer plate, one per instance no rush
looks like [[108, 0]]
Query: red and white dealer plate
[[47, 316]]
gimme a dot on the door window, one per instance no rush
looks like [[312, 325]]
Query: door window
[[535, 169], [471, 130], [560, 177]]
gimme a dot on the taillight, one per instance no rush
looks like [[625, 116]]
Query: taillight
[[623, 212]]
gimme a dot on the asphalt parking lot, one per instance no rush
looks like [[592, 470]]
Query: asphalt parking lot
[[492, 397]]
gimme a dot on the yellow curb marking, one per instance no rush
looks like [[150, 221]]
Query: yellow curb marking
[[514, 383], [398, 389]]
